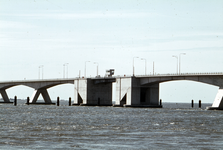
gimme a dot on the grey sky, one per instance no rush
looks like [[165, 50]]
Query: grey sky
[[53, 32]]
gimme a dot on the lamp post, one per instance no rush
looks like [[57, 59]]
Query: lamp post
[[42, 71], [153, 67], [64, 65], [133, 65], [179, 60], [67, 70], [39, 72], [145, 64], [97, 67], [85, 69]]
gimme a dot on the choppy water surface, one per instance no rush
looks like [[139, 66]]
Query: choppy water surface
[[176, 126]]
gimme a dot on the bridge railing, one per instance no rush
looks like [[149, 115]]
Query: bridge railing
[[117, 76], [172, 74], [182, 74]]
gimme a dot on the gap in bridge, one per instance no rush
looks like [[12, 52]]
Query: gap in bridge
[[21, 91], [185, 91], [64, 91]]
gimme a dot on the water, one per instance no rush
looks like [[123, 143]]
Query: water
[[176, 126]]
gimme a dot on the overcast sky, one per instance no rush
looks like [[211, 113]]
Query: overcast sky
[[109, 32]]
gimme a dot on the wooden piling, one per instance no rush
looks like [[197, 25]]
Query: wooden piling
[[199, 103], [69, 101], [58, 101], [15, 101], [98, 101], [27, 101], [192, 103]]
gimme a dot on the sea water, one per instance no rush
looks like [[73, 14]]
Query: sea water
[[175, 126]]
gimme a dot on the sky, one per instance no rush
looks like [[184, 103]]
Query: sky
[[110, 33]]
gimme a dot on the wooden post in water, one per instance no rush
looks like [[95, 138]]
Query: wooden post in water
[[69, 101], [192, 103], [27, 101], [98, 101], [199, 103], [15, 101], [160, 102], [58, 101]]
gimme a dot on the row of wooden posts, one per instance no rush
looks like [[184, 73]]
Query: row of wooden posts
[[58, 102], [27, 102], [192, 103]]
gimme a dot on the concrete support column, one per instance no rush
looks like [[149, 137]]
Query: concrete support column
[[80, 91], [149, 95], [154, 94], [99, 92], [123, 91], [218, 102], [130, 93], [135, 92], [4, 95], [76, 91], [93, 92], [44, 93]]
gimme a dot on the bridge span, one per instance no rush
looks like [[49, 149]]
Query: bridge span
[[134, 91], [144, 90]]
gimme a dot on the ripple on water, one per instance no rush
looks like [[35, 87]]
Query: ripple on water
[[47, 127]]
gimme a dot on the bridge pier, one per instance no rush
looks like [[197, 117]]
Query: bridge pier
[[131, 93], [44, 94], [4, 96], [149, 95], [93, 92], [218, 102]]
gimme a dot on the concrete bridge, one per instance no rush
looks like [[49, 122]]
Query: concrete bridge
[[134, 91], [87, 91], [39, 86]]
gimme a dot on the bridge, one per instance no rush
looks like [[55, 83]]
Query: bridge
[[136, 91], [86, 89], [133, 91]]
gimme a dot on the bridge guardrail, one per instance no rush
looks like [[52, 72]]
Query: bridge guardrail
[[118, 76]]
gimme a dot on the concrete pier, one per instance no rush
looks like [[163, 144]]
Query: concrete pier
[[93, 92], [4, 96], [218, 102], [44, 94], [131, 93]]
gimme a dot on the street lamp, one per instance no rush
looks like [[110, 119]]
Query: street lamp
[[97, 67], [42, 71], [179, 60], [67, 70], [85, 69], [133, 65], [145, 64], [153, 67], [66, 64]]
